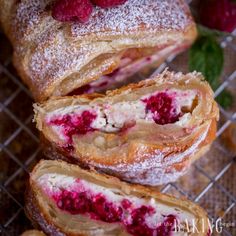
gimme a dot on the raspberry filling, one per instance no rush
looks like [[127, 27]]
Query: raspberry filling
[[81, 90], [162, 107], [97, 207], [77, 124], [80, 198], [83, 202]]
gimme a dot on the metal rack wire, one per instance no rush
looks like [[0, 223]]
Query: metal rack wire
[[19, 150]]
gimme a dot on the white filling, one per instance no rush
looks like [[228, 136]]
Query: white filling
[[112, 117], [128, 68], [53, 183], [119, 114]]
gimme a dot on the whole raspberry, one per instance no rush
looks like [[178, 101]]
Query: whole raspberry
[[72, 10], [108, 3], [218, 14]]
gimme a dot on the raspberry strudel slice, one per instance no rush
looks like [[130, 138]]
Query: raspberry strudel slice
[[146, 133], [59, 58], [66, 200]]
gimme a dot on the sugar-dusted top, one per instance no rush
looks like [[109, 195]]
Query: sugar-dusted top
[[136, 14], [131, 16], [49, 52]]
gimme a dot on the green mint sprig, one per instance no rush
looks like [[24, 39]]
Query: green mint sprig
[[207, 56]]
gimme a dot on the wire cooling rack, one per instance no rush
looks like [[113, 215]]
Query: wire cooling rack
[[210, 183]]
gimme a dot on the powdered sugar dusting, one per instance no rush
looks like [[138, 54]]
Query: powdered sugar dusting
[[52, 51], [61, 58], [131, 16], [58, 57], [30, 14], [135, 15], [156, 170]]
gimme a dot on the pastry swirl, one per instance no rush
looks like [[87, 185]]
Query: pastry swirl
[[147, 133], [66, 200]]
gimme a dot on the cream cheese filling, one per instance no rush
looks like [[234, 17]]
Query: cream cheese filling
[[53, 183], [113, 117]]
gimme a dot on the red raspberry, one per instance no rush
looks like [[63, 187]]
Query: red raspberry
[[72, 10], [218, 14], [108, 3]]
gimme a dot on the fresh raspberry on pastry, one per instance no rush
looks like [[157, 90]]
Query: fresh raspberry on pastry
[[108, 3], [72, 10], [147, 133], [67, 200]]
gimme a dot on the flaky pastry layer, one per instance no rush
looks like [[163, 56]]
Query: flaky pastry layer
[[147, 133], [55, 58], [58, 193]]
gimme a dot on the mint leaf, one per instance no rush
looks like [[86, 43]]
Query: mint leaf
[[225, 99], [207, 56]]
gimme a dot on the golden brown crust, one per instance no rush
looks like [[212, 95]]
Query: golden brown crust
[[149, 154], [33, 212], [54, 58], [37, 204], [153, 176], [33, 233]]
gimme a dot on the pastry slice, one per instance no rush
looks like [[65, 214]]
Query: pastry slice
[[66, 200], [146, 133], [60, 58]]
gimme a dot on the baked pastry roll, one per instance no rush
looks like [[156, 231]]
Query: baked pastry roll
[[146, 133], [55, 58], [66, 200]]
